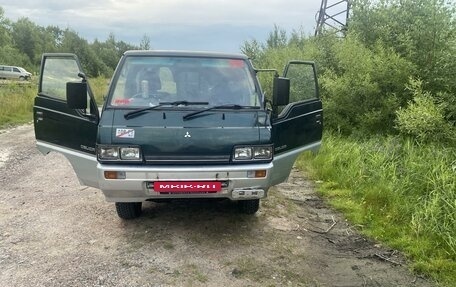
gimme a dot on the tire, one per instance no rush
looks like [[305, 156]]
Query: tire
[[21, 78], [128, 210], [249, 206]]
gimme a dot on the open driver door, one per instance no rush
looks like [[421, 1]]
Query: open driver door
[[62, 125]]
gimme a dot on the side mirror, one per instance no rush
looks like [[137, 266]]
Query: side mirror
[[76, 93], [280, 91]]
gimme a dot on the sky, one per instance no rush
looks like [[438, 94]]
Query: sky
[[210, 25]]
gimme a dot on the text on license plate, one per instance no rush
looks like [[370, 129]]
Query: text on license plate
[[187, 186]]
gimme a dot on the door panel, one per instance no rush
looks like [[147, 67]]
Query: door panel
[[58, 128], [299, 125]]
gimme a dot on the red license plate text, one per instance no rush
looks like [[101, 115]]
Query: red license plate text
[[187, 186]]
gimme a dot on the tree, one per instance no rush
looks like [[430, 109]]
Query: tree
[[92, 64], [25, 37], [145, 43], [277, 38], [422, 31], [4, 33]]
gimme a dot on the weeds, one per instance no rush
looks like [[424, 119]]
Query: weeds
[[401, 192], [16, 99]]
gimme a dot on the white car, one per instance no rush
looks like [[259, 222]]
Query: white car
[[14, 73]]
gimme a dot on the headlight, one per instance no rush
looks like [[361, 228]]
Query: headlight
[[130, 153], [108, 153], [252, 153], [243, 153], [262, 152], [113, 153]]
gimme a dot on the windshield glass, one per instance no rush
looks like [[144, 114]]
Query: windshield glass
[[145, 81]]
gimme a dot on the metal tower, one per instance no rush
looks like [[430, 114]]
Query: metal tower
[[333, 15]]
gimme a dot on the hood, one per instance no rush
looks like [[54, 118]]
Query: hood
[[209, 138]]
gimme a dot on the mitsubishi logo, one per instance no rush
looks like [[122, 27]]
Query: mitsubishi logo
[[187, 135]]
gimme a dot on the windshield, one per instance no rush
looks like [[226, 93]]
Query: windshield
[[145, 81]]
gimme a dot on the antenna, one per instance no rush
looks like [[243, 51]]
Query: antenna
[[334, 15]]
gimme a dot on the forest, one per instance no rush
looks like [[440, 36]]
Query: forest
[[388, 87], [23, 42]]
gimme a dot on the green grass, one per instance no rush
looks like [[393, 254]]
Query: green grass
[[398, 192], [99, 88], [17, 102]]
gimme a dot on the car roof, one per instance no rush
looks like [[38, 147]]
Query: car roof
[[172, 53], [11, 66]]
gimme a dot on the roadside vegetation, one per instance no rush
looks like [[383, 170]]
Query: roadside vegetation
[[388, 159], [17, 102]]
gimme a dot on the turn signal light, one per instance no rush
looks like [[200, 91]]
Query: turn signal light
[[260, 173], [111, 174], [256, 173]]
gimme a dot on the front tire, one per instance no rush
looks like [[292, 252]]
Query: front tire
[[128, 210], [249, 206]]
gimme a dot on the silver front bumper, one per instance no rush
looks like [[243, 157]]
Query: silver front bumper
[[137, 183]]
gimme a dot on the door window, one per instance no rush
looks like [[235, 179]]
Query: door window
[[56, 73], [302, 82]]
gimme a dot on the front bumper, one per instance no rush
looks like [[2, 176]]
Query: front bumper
[[136, 186]]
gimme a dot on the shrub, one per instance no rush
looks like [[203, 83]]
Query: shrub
[[423, 118], [363, 88]]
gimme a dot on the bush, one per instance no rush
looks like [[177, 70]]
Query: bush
[[363, 88], [423, 118]]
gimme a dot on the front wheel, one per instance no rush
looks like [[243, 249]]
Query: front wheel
[[249, 206], [128, 210]]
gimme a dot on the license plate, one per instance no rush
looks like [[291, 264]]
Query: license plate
[[187, 186]]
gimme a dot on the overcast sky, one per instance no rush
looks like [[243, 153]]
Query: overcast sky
[[220, 25]]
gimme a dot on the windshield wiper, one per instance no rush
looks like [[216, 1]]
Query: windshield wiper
[[137, 112], [228, 106]]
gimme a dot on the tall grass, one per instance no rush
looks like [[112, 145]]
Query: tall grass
[[17, 102], [399, 192], [99, 88]]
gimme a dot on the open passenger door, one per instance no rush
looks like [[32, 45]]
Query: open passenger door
[[297, 122], [61, 128]]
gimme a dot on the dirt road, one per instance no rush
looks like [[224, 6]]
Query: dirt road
[[54, 232]]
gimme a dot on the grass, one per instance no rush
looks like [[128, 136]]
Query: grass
[[17, 102], [399, 192], [99, 88], [195, 273]]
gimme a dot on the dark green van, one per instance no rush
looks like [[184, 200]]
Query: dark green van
[[178, 125]]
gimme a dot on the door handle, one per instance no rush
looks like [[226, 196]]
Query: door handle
[[39, 116], [318, 119]]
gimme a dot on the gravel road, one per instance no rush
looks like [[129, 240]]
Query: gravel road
[[54, 232]]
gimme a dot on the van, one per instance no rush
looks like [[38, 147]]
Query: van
[[14, 73], [178, 125]]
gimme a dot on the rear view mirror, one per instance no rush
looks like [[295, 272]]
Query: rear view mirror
[[76, 93], [280, 91]]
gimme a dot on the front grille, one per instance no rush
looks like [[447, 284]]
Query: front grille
[[187, 159]]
